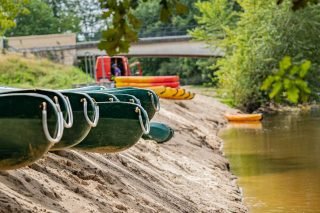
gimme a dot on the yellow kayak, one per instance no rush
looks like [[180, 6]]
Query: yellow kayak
[[172, 93], [180, 92], [168, 93], [158, 90], [244, 117], [186, 96], [191, 96]]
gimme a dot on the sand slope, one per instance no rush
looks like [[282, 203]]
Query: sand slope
[[186, 174]]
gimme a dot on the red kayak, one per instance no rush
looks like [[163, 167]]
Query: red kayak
[[167, 84], [146, 79]]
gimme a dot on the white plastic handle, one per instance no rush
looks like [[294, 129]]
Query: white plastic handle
[[96, 113], [45, 124], [70, 114], [145, 127], [153, 97]]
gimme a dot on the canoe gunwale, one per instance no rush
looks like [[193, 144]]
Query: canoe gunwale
[[57, 96], [85, 100]]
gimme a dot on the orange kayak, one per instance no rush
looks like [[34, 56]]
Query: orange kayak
[[243, 117], [146, 79]]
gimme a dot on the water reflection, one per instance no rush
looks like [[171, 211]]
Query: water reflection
[[278, 163]]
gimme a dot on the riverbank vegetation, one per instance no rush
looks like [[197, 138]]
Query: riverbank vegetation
[[17, 71], [255, 38]]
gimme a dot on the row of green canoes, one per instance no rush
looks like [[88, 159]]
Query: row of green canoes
[[94, 119]]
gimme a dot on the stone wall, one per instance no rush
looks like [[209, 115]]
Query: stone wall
[[57, 47]]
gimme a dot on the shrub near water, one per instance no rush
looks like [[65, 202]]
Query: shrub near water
[[16, 71], [255, 38], [288, 82]]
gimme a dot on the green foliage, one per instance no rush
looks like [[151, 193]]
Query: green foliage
[[123, 25], [215, 19], [288, 82], [41, 20], [190, 70], [255, 39], [8, 11], [298, 4], [20, 72]]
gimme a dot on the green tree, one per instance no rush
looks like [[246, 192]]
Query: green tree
[[41, 20], [148, 12], [122, 25], [84, 14], [255, 39], [190, 70], [8, 12]]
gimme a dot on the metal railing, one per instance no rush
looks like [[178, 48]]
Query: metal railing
[[165, 31], [145, 32]]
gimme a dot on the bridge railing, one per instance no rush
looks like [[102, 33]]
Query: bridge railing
[[146, 32], [165, 31]]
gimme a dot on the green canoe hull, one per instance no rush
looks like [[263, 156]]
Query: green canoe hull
[[118, 128], [80, 128], [22, 138], [159, 132], [149, 100]]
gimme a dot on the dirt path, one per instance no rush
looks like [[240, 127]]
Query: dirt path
[[186, 174]]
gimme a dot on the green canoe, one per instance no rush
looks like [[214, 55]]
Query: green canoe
[[102, 97], [87, 88], [148, 98], [128, 98], [29, 125], [120, 126], [159, 132], [85, 116], [60, 100]]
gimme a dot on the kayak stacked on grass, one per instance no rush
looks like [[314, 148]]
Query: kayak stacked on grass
[[93, 119], [167, 87]]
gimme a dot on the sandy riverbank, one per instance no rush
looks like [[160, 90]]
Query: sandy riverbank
[[186, 174]]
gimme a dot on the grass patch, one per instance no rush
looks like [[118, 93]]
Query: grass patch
[[17, 71]]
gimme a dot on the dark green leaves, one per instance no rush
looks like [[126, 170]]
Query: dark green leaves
[[288, 82], [123, 25]]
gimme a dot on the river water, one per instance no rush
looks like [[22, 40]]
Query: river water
[[277, 162]]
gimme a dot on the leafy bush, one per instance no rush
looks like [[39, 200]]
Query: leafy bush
[[255, 38], [288, 82]]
